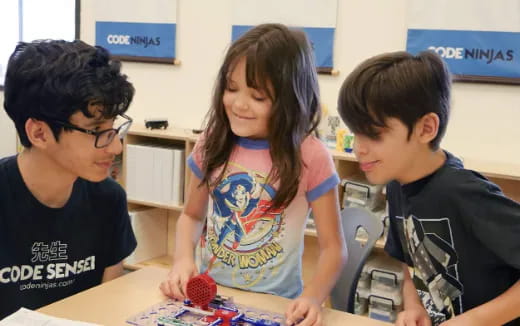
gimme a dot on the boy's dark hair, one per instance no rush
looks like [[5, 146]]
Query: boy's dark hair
[[396, 85], [50, 80], [282, 57]]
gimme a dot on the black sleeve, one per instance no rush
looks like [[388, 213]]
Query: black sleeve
[[123, 240], [393, 244], [492, 217]]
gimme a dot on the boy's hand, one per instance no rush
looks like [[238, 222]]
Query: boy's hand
[[463, 320], [303, 311], [178, 277], [413, 316]]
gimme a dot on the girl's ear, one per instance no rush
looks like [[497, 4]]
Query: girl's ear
[[427, 127], [39, 133]]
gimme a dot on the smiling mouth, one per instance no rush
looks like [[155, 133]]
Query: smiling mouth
[[105, 164], [242, 117], [368, 166]]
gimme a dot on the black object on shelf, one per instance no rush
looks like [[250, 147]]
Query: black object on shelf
[[156, 123]]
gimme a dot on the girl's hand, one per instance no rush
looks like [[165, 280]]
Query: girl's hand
[[304, 311], [175, 286], [413, 316]]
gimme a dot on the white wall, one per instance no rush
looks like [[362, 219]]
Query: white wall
[[7, 132], [484, 119]]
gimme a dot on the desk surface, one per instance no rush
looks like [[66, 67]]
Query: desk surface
[[113, 302]]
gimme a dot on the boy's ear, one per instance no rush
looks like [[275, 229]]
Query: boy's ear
[[39, 133], [427, 127]]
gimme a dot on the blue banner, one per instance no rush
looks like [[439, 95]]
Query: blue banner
[[151, 40], [321, 38], [475, 53]]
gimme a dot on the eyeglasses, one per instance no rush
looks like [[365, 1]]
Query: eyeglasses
[[103, 137]]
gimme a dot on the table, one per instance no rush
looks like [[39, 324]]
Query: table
[[112, 303]]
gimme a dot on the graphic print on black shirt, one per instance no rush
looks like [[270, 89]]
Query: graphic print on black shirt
[[49, 268], [47, 254], [430, 247], [459, 233]]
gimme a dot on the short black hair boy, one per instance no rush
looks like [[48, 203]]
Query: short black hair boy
[[453, 226], [64, 225]]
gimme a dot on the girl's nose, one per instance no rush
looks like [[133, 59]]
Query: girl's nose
[[240, 103]]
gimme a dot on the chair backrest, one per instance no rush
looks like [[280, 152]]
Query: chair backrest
[[353, 218]]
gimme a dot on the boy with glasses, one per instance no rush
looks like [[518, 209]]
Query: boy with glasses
[[64, 225]]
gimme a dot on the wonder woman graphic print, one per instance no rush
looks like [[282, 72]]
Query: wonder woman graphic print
[[246, 243]]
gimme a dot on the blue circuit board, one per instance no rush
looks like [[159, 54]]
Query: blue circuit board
[[173, 313]]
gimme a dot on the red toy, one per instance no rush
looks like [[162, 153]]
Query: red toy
[[201, 290]]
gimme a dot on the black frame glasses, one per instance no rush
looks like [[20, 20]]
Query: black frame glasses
[[107, 135]]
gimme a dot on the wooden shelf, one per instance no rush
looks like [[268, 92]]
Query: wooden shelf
[[155, 204], [311, 232], [343, 156], [380, 243], [170, 133], [188, 135], [488, 168], [492, 169]]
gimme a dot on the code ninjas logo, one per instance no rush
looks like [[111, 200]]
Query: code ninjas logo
[[144, 41], [487, 55]]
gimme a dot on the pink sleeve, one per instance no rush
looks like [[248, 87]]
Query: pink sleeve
[[194, 160], [320, 174]]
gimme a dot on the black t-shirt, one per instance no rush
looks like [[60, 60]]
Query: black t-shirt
[[459, 233], [47, 254]]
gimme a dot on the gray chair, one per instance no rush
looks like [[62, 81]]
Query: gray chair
[[353, 218]]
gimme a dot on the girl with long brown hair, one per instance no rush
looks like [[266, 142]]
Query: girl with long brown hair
[[260, 169]]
